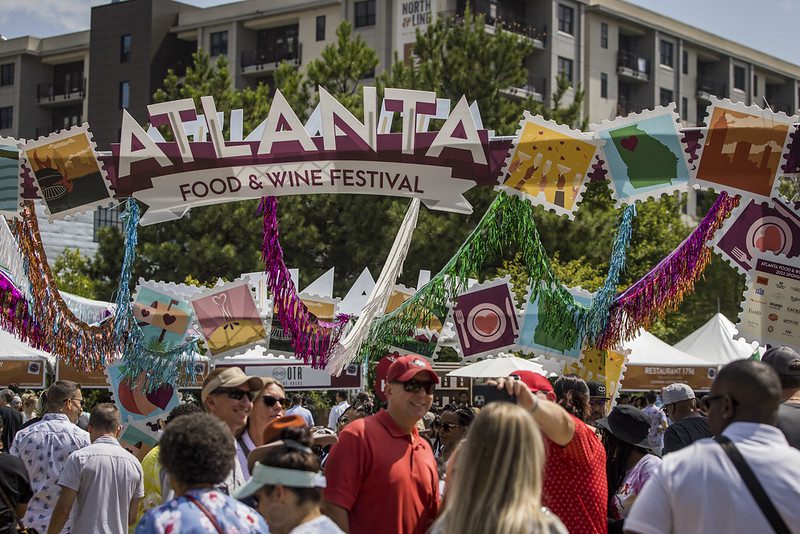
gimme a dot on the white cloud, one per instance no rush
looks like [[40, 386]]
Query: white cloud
[[45, 17]]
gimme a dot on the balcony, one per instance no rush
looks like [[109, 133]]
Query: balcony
[[510, 23], [57, 94], [706, 88], [777, 105], [267, 60], [626, 107], [535, 87], [633, 66]]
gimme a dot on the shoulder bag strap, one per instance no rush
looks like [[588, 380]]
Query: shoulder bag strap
[[243, 445], [209, 515], [754, 486]]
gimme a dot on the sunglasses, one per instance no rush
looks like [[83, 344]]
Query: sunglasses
[[444, 426], [708, 400], [269, 401], [413, 386], [234, 394]]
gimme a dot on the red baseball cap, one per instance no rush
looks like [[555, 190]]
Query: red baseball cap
[[405, 367], [534, 381]]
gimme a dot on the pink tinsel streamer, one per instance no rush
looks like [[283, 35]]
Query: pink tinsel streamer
[[663, 288], [312, 340]]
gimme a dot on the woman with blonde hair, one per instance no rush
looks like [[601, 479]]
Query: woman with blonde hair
[[495, 484]]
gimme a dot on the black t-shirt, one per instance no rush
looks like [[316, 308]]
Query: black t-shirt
[[12, 420], [15, 484], [789, 422], [683, 433]]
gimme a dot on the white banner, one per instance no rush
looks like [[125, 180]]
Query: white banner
[[171, 196]]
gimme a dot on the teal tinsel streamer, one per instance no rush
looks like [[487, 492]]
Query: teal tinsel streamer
[[124, 313], [159, 367], [596, 317]]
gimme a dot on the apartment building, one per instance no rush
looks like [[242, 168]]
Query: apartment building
[[626, 58]]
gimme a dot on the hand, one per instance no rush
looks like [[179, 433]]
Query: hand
[[525, 398]]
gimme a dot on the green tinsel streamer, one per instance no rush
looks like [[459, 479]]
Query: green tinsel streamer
[[508, 221]]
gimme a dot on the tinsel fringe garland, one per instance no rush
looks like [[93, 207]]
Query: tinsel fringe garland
[[158, 367], [346, 350], [312, 340], [508, 222], [80, 345], [664, 287]]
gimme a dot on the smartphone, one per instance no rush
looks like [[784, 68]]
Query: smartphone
[[483, 394]]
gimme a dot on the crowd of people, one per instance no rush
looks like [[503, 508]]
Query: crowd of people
[[556, 459]]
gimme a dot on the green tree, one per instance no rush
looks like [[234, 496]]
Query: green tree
[[70, 270]]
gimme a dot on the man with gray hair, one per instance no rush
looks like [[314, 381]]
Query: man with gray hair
[[11, 418], [45, 447], [103, 481]]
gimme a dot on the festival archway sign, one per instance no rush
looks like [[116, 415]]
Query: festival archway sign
[[334, 152]]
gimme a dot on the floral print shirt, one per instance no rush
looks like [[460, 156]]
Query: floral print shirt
[[180, 515], [44, 448]]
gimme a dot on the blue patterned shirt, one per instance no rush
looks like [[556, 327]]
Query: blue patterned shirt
[[44, 448], [180, 515]]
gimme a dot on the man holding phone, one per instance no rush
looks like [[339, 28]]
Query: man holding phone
[[575, 486], [383, 456]]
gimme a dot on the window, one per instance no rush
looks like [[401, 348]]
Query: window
[[738, 78], [603, 35], [219, 44], [666, 53], [321, 28], [603, 85], [565, 68], [684, 108], [7, 74], [107, 218], [365, 13], [125, 48], [666, 97], [755, 84], [6, 118], [701, 112], [124, 95], [685, 62], [565, 19]]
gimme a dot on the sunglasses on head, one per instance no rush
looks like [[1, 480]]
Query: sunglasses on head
[[234, 394], [270, 401], [413, 386]]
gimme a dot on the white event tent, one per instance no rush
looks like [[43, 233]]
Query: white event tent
[[647, 349], [714, 342]]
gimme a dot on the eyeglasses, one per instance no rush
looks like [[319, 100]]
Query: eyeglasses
[[413, 386], [270, 401], [79, 401], [444, 426], [709, 399], [234, 394]]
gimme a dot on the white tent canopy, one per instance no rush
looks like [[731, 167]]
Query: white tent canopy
[[497, 366], [714, 342], [12, 348], [647, 349]]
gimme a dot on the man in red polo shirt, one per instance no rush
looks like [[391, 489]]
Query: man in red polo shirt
[[575, 486], [381, 474]]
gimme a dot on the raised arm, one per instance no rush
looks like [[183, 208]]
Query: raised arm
[[554, 420]]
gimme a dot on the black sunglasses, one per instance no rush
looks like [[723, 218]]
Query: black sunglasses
[[234, 394], [708, 400], [413, 386], [270, 401], [444, 426]]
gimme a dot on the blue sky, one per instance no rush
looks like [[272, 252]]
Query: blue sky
[[765, 25]]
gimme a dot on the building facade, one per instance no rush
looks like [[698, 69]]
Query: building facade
[[626, 58]]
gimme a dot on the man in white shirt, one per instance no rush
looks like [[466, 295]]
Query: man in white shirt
[[339, 409], [299, 409], [698, 489], [103, 480], [45, 447]]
